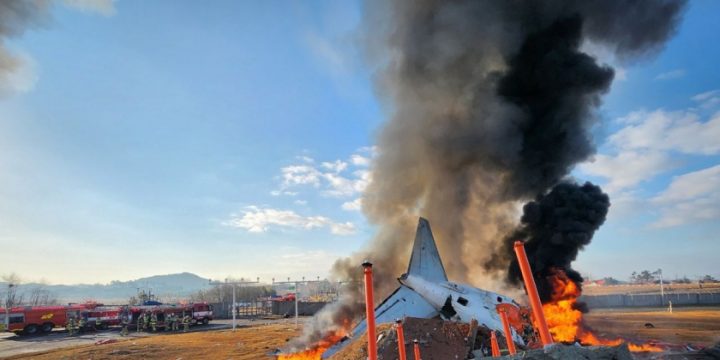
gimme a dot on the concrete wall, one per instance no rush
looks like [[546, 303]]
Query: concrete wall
[[655, 300], [288, 308]]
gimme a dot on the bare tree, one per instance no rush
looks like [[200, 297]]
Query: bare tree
[[12, 297]]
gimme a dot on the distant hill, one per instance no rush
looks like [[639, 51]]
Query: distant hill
[[166, 287]]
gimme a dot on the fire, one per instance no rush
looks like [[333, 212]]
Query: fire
[[565, 321], [315, 351]]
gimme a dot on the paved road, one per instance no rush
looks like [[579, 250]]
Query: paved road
[[14, 345]]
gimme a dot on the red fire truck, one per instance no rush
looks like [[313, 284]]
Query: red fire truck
[[34, 320]]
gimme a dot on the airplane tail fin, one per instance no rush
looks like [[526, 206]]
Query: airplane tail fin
[[425, 259]]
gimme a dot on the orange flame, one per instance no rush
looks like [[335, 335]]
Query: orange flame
[[315, 351], [566, 321]]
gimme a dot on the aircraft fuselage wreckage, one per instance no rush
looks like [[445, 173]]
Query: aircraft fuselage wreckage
[[425, 292]]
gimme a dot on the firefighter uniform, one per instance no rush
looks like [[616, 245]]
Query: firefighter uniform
[[139, 322], [98, 323], [124, 323], [168, 322], [153, 322], [81, 324], [70, 326], [186, 323], [176, 321], [146, 321]]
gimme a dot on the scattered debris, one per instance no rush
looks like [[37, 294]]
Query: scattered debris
[[649, 325], [563, 351], [438, 340]]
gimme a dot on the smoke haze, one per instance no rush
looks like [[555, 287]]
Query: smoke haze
[[490, 104]]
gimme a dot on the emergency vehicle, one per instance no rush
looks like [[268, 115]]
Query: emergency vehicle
[[34, 320]]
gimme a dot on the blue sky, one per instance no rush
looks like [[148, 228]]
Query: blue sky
[[143, 138]]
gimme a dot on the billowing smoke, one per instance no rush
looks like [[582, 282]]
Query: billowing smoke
[[491, 103], [16, 16], [555, 227]]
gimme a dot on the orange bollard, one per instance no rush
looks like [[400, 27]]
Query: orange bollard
[[527, 275], [370, 311], [494, 345], [416, 348], [401, 339], [508, 333]]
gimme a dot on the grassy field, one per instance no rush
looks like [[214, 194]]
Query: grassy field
[[684, 325]]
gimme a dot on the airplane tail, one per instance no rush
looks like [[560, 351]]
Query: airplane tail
[[425, 259]]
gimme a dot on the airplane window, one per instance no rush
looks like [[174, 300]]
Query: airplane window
[[499, 299], [462, 301]]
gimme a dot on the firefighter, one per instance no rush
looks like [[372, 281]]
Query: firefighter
[[153, 321], [124, 322], [176, 321], [168, 321], [81, 324], [70, 325], [139, 322], [146, 321], [98, 322], [186, 323]]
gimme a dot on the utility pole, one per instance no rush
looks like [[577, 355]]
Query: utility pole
[[297, 292], [7, 306], [234, 284]]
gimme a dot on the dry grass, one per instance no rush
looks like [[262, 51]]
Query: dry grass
[[685, 325], [244, 344]]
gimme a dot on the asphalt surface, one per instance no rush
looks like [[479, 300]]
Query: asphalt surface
[[11, 344]]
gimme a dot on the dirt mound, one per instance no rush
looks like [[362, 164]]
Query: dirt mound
[[438, 340]]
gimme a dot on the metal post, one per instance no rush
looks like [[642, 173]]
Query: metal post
[[7, 308], [401, 339], [531, 288], [296, 305], [508, 332], [662, 290], [370, 311], [233, 309], [494, 344]]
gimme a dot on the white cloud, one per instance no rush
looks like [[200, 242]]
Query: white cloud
[[628, 168], [708, 99], [669, 131], [689, 198], [300, 175], [258, 220], [300, 202], [671, 75], [331, 177], [336, 166], [103, 7], [355, 205]]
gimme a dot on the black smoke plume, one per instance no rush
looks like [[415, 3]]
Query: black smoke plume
[[490, 103], [555, 228]]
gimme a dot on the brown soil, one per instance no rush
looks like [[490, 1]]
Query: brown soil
[[250, 343], [684, 325]]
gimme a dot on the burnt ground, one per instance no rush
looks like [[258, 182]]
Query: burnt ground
[[686, 325]]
